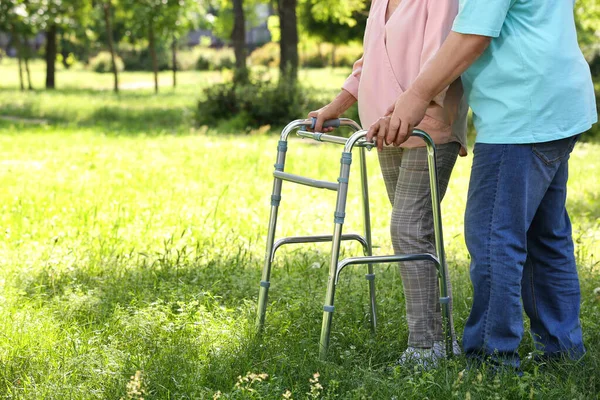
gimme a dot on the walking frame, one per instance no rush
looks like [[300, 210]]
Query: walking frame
[[356, 140]]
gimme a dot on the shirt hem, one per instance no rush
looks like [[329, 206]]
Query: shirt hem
[[531, 138]]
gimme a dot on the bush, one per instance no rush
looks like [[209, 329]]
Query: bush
[[103, 63], [139, 59], [266, 56], [255, 104], [215, 59], [186, 60], [346, 56], [311, 56]]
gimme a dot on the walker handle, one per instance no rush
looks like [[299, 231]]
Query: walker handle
[[330, 123]]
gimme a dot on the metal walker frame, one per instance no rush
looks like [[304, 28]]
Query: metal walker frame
[[357, 139]]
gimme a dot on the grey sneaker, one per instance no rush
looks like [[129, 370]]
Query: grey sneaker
[[439, 347], [427, 357], [422, 357]]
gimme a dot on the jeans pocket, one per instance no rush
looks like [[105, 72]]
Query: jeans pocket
[[556, 150]]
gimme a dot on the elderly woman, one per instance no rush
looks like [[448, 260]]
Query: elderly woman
[[400, 38]]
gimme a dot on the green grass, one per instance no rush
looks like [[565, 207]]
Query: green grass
[[142, 252]]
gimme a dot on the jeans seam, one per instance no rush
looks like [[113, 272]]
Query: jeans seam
[[533, 302], [545, 159], [489, 248]]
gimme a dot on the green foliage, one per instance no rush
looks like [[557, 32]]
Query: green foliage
[[587, 13], [102, 62], [253, 105], [137, 58], [312, 55], [333, 21], [266, 55], [215, 59]]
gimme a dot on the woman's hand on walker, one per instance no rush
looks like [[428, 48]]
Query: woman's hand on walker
[[323, 114]]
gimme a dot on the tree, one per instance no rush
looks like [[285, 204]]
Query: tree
[[158, 21], [13, 19], [587, 14], [238, 37], [288, 43], [336, 22], [54, 16], [107, 13]]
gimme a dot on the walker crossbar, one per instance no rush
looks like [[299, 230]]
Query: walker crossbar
[[306, 181], [357, 139], [318, 239]]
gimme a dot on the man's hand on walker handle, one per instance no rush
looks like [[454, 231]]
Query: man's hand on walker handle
[[400, 120]]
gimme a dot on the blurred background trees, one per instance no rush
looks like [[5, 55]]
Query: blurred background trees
[[259, 45]]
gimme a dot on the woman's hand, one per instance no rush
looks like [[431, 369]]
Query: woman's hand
[[400, 120], [323, 114], [333, 110]]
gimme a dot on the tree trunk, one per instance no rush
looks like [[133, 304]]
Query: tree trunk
[[26, 54], [111, 46], [50, 57], [174, 50], [333, 49], [152, 44], [64, 52], [17, 43], [238, 37], [289, 39]]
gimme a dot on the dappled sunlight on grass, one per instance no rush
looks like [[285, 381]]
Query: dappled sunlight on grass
[[132, 245], [125, 254]]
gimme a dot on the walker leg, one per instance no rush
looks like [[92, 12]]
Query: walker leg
[[340, 214], [439, 247], [265, 283], [367, 227]]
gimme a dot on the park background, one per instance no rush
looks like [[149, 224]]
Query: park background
[[137, 141]]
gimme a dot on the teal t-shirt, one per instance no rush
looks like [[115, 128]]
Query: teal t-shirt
[[532, 84]]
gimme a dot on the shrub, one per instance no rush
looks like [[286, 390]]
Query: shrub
[[215, 59], [186, 60], [311, 56], [346, 55], [255, 104], [267, 55], [103, 63], [139, 59]]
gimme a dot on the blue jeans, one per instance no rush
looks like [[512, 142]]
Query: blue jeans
[[518, 233]]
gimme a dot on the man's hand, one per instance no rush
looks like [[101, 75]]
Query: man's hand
[[400, 120]]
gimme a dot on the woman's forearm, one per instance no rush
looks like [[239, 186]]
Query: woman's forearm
[[343, 101], [456, 55]]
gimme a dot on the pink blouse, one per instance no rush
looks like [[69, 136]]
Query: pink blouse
[[393, 55]]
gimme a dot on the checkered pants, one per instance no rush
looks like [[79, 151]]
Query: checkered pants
[[406, 176]]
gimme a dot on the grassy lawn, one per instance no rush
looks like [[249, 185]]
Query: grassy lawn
[[126, 248]]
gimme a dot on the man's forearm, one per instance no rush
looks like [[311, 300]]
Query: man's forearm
[[456, 55]]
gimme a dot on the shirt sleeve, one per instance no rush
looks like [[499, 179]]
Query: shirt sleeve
[[351, 84], [440, 16], [482, 17]]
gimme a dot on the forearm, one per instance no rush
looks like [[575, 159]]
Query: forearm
[[343, 101], [455, 56]]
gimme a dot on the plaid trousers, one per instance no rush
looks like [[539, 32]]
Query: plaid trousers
[[406, 176]]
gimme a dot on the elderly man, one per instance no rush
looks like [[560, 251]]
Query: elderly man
[[531, 93]]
